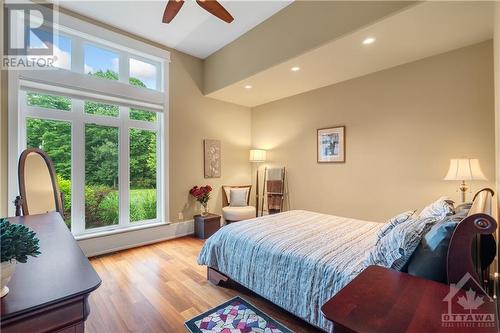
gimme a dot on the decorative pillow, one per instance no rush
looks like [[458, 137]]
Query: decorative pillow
[[429, 259], [440, 208], [394, 249], [238, 197], [392, 222]]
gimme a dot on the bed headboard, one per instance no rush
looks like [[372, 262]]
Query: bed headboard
[[472, 243]]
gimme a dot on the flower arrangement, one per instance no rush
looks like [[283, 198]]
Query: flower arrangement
[[202, 195]]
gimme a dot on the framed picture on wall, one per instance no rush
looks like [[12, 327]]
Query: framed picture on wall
[[212, 158], [331, 145]]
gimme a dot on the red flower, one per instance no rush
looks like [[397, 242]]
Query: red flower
[[202, 194]]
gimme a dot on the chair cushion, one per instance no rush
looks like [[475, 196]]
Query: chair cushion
[[238, 213], [238, 197], [228, 189]]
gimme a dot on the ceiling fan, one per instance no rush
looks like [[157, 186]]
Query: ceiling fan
[[211, 6]]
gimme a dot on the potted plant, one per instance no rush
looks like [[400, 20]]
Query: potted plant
[[17, 243], [202, 195]]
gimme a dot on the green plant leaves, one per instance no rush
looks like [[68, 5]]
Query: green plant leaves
[[17, 242]]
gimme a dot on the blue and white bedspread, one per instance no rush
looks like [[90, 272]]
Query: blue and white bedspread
[[296, 259]]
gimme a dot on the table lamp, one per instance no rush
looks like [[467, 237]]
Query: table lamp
[[463, 169], [257, 156]]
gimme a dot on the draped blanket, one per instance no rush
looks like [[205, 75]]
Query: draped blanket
[[296, 259]]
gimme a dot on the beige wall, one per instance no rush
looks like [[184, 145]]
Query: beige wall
[[3, 143], [497, 89], [298, 28], [496, 37], [193, 118], [402, 125]]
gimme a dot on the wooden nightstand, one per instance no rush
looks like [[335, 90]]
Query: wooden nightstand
[[206, 226], [381, 300]]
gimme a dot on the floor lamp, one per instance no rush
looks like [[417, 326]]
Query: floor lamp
[[257, 156]]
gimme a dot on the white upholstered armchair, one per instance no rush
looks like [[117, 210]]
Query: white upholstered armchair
[[236, 203]]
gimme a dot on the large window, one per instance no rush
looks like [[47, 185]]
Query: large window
[[99, 117]]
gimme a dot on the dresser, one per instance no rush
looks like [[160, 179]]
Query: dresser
[[49, 293]]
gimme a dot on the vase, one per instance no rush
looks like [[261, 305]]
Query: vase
[[7, 268], [204, 212]]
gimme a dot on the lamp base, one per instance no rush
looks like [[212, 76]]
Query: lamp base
[[463, 190]]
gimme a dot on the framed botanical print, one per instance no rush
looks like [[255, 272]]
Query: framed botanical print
[[331, 145], [212, 158]]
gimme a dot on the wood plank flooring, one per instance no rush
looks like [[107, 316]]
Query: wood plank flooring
[[156, 288]]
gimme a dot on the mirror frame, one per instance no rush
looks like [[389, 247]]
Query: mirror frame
[[22, 180]]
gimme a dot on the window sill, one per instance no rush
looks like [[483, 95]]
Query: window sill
[[103, 233]]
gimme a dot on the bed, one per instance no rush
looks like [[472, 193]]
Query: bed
[[299, 259], [306, 268]]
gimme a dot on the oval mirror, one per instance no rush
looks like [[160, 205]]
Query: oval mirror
[[37, 183]]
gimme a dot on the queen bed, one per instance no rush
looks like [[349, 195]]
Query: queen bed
[[296, 259]]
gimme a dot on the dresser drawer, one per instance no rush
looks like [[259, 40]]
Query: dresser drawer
[[54, 318]]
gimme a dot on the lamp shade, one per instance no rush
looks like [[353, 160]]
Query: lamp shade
[[464, 169], [257, 155]]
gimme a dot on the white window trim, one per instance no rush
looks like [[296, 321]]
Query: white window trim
[[141, 51]]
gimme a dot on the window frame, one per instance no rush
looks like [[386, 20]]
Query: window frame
[[19, 111]]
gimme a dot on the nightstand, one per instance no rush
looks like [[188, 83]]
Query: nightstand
[[381, 300], [206, 226]]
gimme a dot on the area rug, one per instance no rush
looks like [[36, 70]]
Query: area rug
[[235, 316]]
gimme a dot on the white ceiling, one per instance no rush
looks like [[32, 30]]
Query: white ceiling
[[193, 31], [420, 31]]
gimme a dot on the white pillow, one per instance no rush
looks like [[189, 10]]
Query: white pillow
[[440, 208], [393, 222], [238, 197], [395, 249]]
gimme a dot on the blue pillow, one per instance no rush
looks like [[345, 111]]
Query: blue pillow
[[430, 258]]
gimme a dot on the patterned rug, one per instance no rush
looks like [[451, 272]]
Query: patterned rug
[[235, 316]]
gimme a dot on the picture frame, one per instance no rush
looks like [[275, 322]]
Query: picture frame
[[212, 158], [330, 143]]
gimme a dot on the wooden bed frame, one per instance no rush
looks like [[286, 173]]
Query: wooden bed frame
[[470, 249]]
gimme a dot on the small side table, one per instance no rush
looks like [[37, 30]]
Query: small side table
[[206, 226], [381, 300]]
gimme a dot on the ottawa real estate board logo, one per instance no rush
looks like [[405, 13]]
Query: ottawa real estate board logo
[[28, 36], [468, 308]]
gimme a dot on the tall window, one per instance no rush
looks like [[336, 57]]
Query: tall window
[[99, 117]]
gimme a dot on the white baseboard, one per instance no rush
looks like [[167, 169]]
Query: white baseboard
[[126, 240]]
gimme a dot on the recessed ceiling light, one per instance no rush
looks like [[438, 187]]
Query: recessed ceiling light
[[295, 69], [369, 40], [248, 86]]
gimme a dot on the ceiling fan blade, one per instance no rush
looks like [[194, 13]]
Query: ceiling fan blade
[[216, 9], [172, 8]]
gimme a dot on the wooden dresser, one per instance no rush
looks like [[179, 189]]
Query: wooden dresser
[[49, 293]]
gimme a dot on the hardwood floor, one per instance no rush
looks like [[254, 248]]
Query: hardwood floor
[[156, 288]]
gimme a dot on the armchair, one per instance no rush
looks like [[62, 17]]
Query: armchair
[[237, 211]]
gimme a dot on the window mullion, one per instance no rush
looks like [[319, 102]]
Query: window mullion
[[124, 168], [159, 172], [77, 55], [78, 168]]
